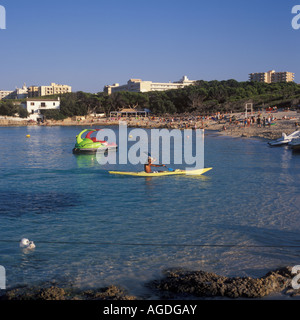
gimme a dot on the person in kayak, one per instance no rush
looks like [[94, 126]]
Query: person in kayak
[[148, 165]]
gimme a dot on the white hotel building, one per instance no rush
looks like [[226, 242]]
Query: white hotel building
[[35, 106], [138, 85]]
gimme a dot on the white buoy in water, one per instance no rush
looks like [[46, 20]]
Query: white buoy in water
[[26, 244]]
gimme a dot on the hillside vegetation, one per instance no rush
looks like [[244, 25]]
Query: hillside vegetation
[[204, 97]]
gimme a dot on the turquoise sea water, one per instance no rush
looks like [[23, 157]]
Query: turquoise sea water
[[92, 229]]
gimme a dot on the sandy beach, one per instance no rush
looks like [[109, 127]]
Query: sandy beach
[[283, 122], [232, 124]]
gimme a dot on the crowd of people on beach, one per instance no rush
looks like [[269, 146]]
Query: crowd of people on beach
[[193, 122], [259, 120], [220, 121]]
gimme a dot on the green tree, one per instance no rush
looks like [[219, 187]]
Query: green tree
[[23, 113], [8, 108], [70, 107]]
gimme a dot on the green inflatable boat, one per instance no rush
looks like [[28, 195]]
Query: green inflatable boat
[[90, 145]]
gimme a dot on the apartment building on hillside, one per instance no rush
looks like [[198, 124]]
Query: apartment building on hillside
[[272, 76], [138, 85], [54, 89]]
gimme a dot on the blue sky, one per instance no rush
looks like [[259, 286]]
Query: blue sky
[[88, 44]]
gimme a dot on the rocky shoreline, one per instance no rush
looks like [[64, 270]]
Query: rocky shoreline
[[208, 285], [176, 284]]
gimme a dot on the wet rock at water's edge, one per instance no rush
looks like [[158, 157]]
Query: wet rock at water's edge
[[207, 284]]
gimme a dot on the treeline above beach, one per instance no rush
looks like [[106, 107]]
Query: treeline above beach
[[204, 97], [224, 96]]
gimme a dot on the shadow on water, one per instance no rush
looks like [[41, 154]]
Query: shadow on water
[[296, 153], [19, 203], [271, 243], [264, 236]]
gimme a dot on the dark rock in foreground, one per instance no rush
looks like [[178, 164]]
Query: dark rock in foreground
[[57, 293], [205, 284], [176, 284]]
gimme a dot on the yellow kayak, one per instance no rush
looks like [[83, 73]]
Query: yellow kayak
[[162, 173]]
